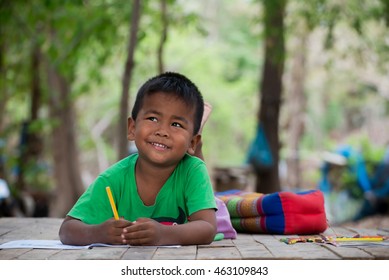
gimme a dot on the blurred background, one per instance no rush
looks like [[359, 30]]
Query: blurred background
[[299, 91]]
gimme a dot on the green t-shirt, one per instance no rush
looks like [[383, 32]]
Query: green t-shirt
[[187, 190]]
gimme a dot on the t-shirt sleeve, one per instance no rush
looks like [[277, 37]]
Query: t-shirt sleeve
[[199, 192], [93, 206]]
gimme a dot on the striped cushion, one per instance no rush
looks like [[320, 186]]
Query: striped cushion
[[278, 213]]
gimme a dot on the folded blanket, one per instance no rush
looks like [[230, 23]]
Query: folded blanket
[[278, 213]]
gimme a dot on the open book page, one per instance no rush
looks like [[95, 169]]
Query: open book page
[[361, 243], [57, 245]]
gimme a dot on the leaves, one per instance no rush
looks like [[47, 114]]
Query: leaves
[[217, 44]]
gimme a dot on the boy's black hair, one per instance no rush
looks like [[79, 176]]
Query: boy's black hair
[[177, 85]]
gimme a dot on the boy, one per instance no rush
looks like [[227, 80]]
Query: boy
[[162, 193]]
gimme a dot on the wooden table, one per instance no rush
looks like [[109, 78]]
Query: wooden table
[[246, 246]]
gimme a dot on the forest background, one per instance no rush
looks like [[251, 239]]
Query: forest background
[[69, 72]]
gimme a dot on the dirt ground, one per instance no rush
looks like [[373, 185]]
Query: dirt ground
[[372, 222]]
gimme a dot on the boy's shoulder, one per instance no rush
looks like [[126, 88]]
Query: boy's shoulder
[[189, 161], [123, 166]]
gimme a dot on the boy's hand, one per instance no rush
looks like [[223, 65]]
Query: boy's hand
[[112, 229], [76, 232], [142, 232]]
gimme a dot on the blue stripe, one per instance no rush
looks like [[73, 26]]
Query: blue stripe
[[272, 208]]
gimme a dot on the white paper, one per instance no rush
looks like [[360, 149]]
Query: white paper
[[361, 243], [58, 245], [39, 244]]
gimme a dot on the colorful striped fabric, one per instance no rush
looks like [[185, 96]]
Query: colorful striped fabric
[[276, 213]]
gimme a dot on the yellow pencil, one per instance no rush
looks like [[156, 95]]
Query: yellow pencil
[[361, 238], [112, 202]]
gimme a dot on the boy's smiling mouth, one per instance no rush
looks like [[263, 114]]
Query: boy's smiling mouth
[[159, 146]]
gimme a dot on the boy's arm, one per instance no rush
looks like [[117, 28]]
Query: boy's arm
[[200, 230], [75, 232]]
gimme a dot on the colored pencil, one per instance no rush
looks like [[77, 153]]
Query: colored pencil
[[112, 202]]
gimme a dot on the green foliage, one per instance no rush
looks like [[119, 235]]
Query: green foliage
[[233, 108], [218, 45], [38, 176]]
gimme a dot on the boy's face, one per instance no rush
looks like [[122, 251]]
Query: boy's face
[[163, 130]]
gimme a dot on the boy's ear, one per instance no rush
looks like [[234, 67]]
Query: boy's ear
[[130, 129], [193, 144]]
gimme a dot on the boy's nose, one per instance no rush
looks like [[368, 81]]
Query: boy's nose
[[162, 131]]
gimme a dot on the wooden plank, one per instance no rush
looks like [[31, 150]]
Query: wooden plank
[[360, 252], [42, 228], [349, 253], [218, 253], [281, 250], [305, 251], [266, 238], [384, 230], [245, 246], [249, 248], [218, 244], [139, 253], [243, 238], [96, 253], [83, 254], [103, 253], [377, 252], [381, 253], [6, 226], [38, 254], [181, 253], [254, 252], [31, 228], [364, 231], [11, 254]]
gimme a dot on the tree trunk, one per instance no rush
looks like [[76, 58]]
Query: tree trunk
[[271, 89], [5, 7], [385, 3], [126, 81], [3, 100], [164, 32], [297, 106], [65, 153], [31, 144]]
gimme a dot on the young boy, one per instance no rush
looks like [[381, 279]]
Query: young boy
[[163, 194]]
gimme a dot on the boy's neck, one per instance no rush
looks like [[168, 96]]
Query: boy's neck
[[150, 180]]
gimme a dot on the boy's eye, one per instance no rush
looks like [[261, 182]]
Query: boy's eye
[[153, 119], [176, 124]]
